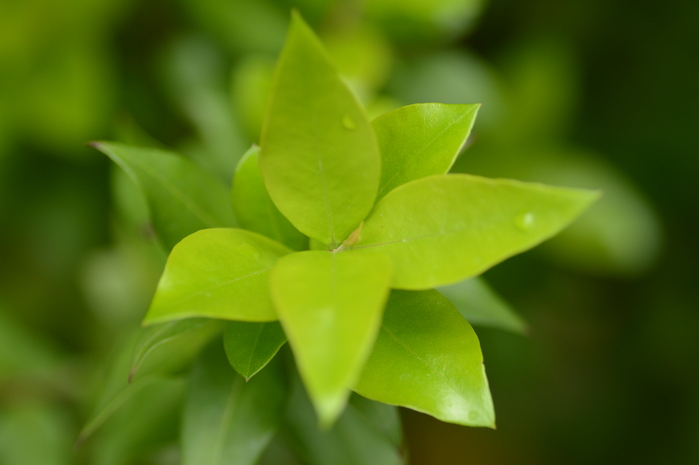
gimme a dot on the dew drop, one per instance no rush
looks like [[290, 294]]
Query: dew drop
[[525, 221], [348, 122]]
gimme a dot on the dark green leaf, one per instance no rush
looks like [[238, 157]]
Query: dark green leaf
[[217, 273], [428, 358], [250, 346], [319, 154]]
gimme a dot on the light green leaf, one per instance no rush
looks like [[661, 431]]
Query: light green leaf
[[419, 140], [481, 305], [250, 346], [319, 157], [255, 210], [217, 273], [169, 346], [181, 196], [442, 229], [330, 307], [428, 358], [227, 420], [367, 433]]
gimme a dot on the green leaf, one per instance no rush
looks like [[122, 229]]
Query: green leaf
[[32, 433], [320, 159], [330, 307], [227, 420], [481, 305], [428, 358], [419, 140], [169, 346], [254, 208], [367, 433], [442, 229], [217, 273], [251, 346], [181, 196]]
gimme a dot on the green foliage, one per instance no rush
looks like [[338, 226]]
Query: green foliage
[[386, 224]]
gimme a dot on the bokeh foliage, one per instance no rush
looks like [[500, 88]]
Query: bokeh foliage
[[576, 93]]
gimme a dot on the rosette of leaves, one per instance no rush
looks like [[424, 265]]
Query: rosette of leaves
[[339, 232]]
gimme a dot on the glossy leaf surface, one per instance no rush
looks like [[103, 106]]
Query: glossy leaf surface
[[419, 140], [181, 196], [319, 155], [250, 346], [330, 306], [227, 420], [169, 346], [445, 228], [254, 208], [428, 358], [481, 306], [367, 433], [217, 273]]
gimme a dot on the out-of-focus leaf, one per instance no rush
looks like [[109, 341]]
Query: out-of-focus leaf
[[330, 307], [252, 81], [319, 156], [167, 347], [251, 346], [226, 419], [21, 351], [481, 306], [35, 434], [182, 197], [367, 433], [442, 229], [428, 358], [254, 208], [419, 140], [217, 273]]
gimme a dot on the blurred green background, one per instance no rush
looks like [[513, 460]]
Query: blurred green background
[[590, 93]]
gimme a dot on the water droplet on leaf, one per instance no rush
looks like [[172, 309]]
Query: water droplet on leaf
[[525, 221], [348, 122]]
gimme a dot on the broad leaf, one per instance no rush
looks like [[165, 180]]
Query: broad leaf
[[181, 196], [428, 358], [319, 157], [367, 433], [250, 346], [254, 209], [442, 229], [169, 346], [419, 140], [330, 307], [481, 306], [227, 420], [217, 273]]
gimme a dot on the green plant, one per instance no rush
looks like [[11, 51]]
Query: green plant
[[385, 225]]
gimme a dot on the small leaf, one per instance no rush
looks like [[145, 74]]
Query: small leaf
[[481, 306], [330, 307], [181, 196], [428, 358], [167, 347], [419, 140], [255, 210], [227, 420], [442, 229], [217, 273], [367, 433], [319, 156], [250, 346]]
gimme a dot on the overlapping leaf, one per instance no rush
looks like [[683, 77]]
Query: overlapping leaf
[[419, 140], [254, 208], [181, 196], [319, 158], [330, 307], [250, 346], [217, 273], [442, 229], [428, 358]]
